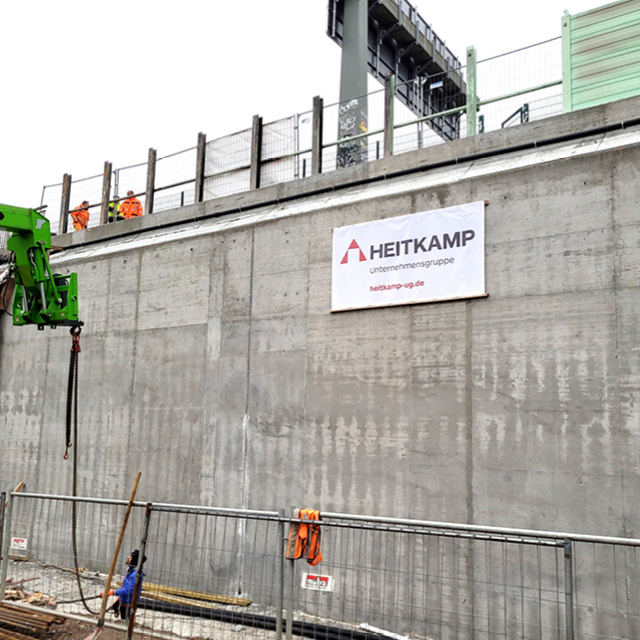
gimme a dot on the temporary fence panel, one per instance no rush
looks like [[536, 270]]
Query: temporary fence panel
[[89, 189], [131, 178], [175, 180], [51, 199], [214, 569], [528, 71], [227, 165], [412, 132], [305, 142], [279, 146]]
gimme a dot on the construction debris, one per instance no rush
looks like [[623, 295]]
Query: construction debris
[[26, 621], [185, 596]]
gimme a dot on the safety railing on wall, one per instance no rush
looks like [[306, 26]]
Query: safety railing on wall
[[214, 570], [502, 91]]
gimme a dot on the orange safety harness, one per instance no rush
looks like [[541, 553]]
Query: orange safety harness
[[304, 537]]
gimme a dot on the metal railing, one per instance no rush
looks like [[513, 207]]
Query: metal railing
[[307, 144], [213, 569]]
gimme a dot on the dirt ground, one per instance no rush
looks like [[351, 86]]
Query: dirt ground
[[74, 630]]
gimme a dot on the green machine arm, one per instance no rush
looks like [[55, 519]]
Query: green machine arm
[[41, 297]]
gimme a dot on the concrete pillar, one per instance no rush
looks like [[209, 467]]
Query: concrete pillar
[[352, 119]]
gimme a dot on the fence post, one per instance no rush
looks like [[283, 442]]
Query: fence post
[[151, 180], [291, 574], [256, 152], [472, 97], [568, 589], [5, 547], [136, 586], [200, 163], [64, 203], [281, 557], [3, 498], [106, 193], [389, 93], [316, 140]]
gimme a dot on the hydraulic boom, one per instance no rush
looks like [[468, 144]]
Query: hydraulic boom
[[41, 297]]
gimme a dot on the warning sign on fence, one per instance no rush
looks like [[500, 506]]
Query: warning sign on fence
[[317, 582], [19, 544]]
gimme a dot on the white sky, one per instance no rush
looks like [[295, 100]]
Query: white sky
[[84, 82]]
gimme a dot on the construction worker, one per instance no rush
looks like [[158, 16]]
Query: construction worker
[[122, 606], [114, 212], [131, 207], [80, 216]]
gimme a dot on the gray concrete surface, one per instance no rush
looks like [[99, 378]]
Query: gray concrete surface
[[210, 360]]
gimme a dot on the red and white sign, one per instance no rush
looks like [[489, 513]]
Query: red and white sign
[[421, 257], [19, 544], [317, 582]]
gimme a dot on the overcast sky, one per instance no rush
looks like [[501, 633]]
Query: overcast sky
[[84, 82]]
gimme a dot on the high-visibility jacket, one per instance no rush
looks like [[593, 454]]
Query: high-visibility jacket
[[114, 208], [304, 537], [80, 217], [130, 208]]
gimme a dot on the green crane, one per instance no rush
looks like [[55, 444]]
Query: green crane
[[41, 297]]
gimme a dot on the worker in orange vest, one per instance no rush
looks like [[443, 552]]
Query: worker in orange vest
[[131, 207], [80, 216]]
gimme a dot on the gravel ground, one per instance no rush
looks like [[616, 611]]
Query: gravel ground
[[56, 590]]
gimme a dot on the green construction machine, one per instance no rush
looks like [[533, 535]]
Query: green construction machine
[[41, 297]]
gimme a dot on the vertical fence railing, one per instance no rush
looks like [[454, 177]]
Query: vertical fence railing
[[211, 570], [502, 91]]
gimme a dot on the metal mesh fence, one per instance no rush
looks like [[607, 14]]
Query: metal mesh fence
[[432, 117], [519, 71], [431, 96], [175, 180], [89, 189], [305, 142], [279, 146], [51, 197], [212, 571], [227, 163]]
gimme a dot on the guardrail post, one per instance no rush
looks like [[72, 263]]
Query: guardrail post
[[256, 153], [64, 203], [200, 163], [106, 193], [389, 94], [472, 97], [316, 140], [5, 547], [151, 180], [568, 589]]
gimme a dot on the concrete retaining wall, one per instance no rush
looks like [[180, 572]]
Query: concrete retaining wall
[[210, 360]]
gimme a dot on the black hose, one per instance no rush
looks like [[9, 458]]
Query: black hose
[[304, 629]]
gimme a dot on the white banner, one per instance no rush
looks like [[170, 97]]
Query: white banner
[[421, 257]]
